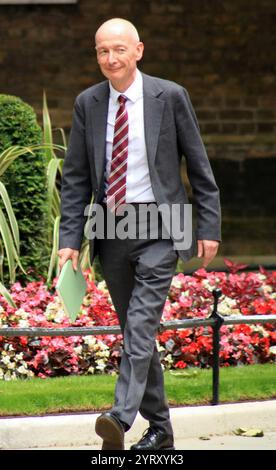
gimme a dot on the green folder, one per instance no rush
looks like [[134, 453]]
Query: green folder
[[71, 288]]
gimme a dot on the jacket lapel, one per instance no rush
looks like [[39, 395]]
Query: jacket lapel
[[99, 113], [153, 113]]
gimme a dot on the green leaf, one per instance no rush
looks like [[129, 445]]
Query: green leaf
[[12, 219], [6, 295], [254, 433], [47, 128], [85, 256], [249, 432], [54, 258], [1, 260], [62, 136], [53, 197], [184, 374], [8, 244], [10, 154]]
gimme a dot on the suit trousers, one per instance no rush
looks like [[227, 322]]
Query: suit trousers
[[138, 273]]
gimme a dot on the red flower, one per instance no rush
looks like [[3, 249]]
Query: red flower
[[181, 365], [189, 297], [166, 335], [272, 335], [264, 306], [234, 267]]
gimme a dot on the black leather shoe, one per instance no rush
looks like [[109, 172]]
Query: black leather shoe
[[111, 430], [154, 439]]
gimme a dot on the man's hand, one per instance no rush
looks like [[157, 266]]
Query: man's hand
[[208, 250], [68, 253]]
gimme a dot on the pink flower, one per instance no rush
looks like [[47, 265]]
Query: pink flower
[[188, 297]]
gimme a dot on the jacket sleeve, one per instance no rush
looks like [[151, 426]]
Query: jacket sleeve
[[76, 187], [199, 171]]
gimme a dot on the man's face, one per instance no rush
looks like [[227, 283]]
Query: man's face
[[117, 55]]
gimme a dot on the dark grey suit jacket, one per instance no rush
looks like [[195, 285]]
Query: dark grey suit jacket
[[171, 131]]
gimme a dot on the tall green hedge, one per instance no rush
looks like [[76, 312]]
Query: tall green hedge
[[25, 181]]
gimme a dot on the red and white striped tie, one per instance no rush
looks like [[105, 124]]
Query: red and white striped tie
[[116, 191]]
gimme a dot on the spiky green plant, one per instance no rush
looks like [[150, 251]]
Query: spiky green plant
[[54, 174]]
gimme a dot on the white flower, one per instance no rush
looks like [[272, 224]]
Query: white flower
[[91, 370], [11, 365], [86, 301], [186, 293], [236, 311], [60, 315], [207, 285], [21, 313], [22, 370], [272, 349], [100, 365], [19, 356], [102, 286], [7, 376], [102, 345], [160, 348], [30, 373], [260, 329], [103, 354], [169, 359], [226, 307], [90, 341], [6, 359], [54, 310], [52, 306], [267, 289], [176, 283], [175, 304], [78, 349], [23, 323]]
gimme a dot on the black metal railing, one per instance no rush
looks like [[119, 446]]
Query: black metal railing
[[215, 320]]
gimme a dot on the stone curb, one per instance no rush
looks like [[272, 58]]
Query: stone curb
[[79, 429]]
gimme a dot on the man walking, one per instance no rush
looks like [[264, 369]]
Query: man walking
[[128, 136]]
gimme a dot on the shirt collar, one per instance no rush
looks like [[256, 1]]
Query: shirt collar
[[133, 93]]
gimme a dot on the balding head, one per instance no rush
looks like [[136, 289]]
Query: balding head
[[117, 27], [118, 50]]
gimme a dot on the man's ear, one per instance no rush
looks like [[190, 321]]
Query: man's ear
[[139, 51]]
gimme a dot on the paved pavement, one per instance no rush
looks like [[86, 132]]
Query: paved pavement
[[230, 442], [214, 423], [226, 442]]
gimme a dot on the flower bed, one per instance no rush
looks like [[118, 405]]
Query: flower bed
[[189, 296]]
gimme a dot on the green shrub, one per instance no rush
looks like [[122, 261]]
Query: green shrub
[[25, 181]]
